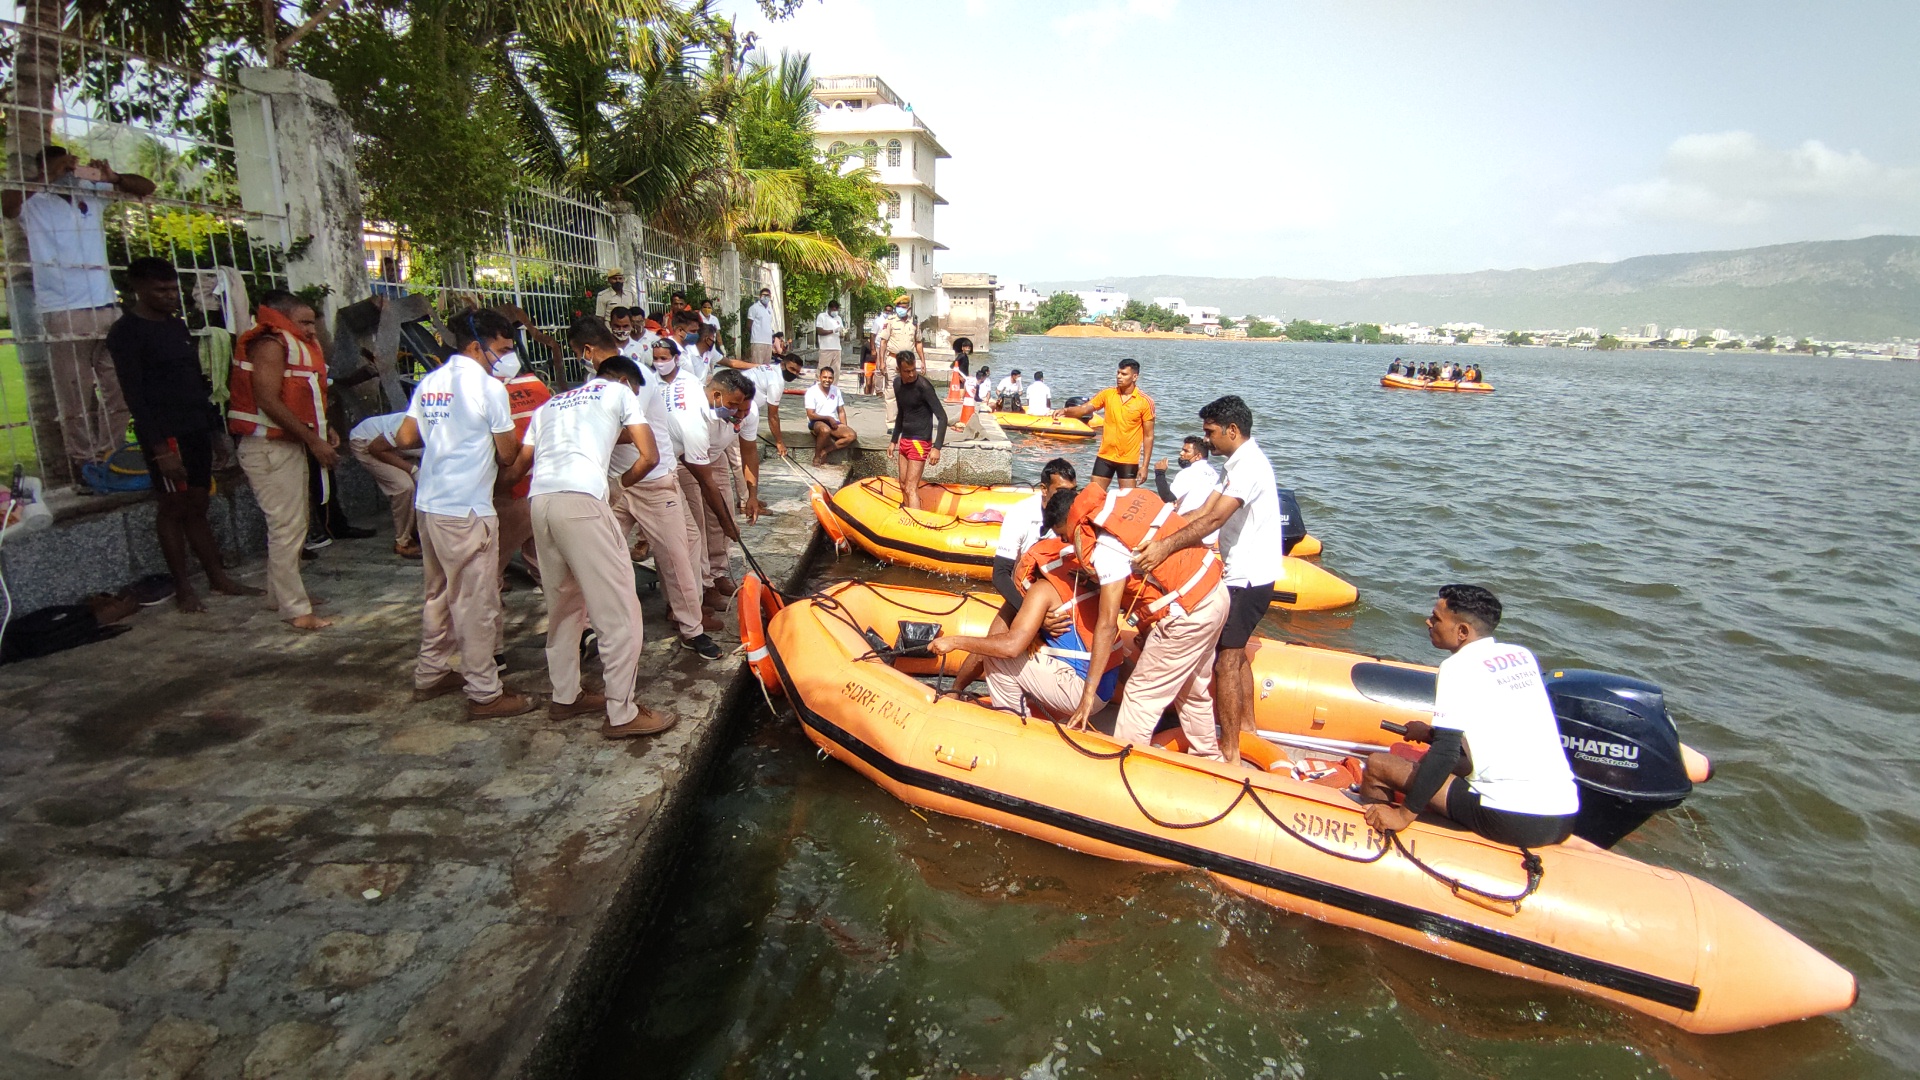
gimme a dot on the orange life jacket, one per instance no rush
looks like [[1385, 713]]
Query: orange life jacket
[[1053, 561], [1133, 517], [525, 394], [303, 388]]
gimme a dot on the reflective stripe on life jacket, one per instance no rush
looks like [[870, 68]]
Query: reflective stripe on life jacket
[[1049, 559], [303, 386], [525, 394]]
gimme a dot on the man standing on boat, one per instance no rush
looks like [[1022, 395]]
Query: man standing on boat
[[1126, 442], [919, 427], [1195, 484], [1246, 511], [1491, 715], [1179, 610], [1021, 528]]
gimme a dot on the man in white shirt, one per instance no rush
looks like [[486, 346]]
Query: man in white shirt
[[1039, 396], [827, 328], [585, 572], [1246, 512], [1020, 528], [770, 381], [827, 416], [616, 294], [463, 418], [371, 441], [705, 417], [74, 293], [1009, 386], [1490, 709], [654, 503], [1198, 478], [760, 327], [708, 317]]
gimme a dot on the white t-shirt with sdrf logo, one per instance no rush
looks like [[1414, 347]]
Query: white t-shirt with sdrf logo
[[458, 408], [1493, 694], [826, 329], [574, 433]]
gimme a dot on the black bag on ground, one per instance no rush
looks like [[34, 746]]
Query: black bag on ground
[[51, 630]]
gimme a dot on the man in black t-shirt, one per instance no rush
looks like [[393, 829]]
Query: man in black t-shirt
[[174, 419], [919, 427]]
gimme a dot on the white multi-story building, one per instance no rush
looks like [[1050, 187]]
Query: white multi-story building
[[861, 113], [1101, 300], [1017, 297]]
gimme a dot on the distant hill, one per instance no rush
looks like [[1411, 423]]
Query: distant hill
[[1846, 290]]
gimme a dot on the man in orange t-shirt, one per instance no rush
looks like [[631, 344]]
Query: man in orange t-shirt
[[1126, 442]]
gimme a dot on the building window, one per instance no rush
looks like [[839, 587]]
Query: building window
[[836, 149], [893, 153], [893, 204], [916, 155], [916, 208], [893, 256], [871, 152]]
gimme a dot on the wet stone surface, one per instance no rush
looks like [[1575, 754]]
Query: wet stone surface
[[230, 850]]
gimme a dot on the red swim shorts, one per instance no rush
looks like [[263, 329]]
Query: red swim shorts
[[915, 449]]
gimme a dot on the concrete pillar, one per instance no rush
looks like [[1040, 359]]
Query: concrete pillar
[[731, 300], [294, 153], [630, 246]]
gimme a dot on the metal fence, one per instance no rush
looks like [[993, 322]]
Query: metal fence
[[103, 94]]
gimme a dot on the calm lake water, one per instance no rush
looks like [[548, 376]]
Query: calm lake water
[[1743, 530]]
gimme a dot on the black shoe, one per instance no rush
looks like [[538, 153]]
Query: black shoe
[[317, 541], [589, 645], [704, 646], [500, 660]]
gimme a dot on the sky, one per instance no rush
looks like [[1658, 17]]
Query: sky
[[1367, 138]]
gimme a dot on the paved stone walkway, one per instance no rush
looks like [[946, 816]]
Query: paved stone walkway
[[230, 850]]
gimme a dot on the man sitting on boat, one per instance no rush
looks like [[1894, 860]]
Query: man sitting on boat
[[1495, 764], [1054, 675], [1472, 375], [1396, 367], [1179, 608]]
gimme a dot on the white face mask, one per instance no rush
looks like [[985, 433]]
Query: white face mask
[[665, 367], [506, 365], [623, 334]]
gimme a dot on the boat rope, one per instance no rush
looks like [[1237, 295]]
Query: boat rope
[[1529, 861]]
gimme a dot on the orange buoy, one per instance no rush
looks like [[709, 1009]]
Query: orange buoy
[[758, 604]]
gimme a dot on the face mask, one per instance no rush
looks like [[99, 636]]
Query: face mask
[[690, 337], [665, 367], [506, 365], [723, 413], [900, 311], [622, 335]]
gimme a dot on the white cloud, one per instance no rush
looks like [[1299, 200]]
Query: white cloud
[[1735, 178]]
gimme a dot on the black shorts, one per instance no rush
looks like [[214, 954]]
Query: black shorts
[[196, 454], [1504, 826], [1245, 605], [1102, 467], [828, 424]]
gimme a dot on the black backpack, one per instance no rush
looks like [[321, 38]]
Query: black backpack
[[51, 630]]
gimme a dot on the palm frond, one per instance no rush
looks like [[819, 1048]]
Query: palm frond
[[812, 253]]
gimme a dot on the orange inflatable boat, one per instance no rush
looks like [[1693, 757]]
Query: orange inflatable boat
[[1573, 916], [1407, 382], [958, 526], [1047, 427]]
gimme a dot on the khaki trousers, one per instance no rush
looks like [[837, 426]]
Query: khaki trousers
[[93, 412], [277, 471], [463, 601], [829, 358], [1176, 668], [1036, 679], [760, 354], [710, 550], [589, 575], [516, 533], [659, 507], [396, 485]]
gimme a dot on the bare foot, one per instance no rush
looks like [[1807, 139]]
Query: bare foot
[[309, 622], [230, 587], [188, 601]]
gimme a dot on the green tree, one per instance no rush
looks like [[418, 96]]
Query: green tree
[[1261, 328], [1607, 343], [1226, 322], [1518, 337], [1766, 344], [1704, 341], [1058, 310]]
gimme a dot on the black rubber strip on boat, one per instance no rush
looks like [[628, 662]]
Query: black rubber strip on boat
[[936, 554], [1674, 994]]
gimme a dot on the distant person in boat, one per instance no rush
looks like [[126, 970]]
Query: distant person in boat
[[1021, 528], [1179, 625], [1007, 395], [1039, 396], [1395, 368], [1244, 512], [1126, 442], [827, 417], [1495, 763], [1054, 675], [1472, 375], [919, 427], [983, 388], [1189, 491]]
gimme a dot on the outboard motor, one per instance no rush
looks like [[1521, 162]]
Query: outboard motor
[[1624, 749], [1077, 399], [1293, 526]]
